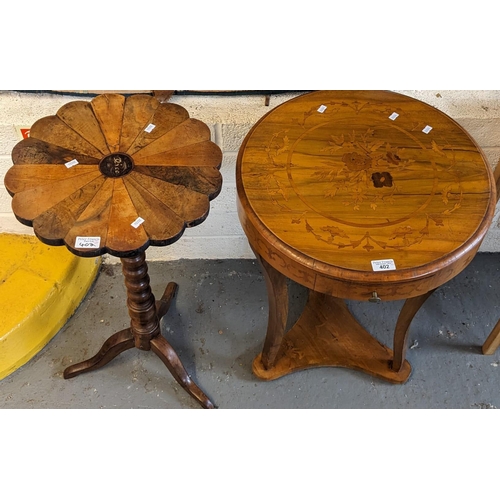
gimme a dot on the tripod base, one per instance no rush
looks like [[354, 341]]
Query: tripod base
[[154, 341]]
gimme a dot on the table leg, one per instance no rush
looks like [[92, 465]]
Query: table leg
[[493, 341], [277, 292], [410, 308], [163, 305], [115, 345], [144, 332], [161, 347]]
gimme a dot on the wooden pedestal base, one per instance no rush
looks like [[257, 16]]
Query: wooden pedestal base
[[328, 335], [144, 332]]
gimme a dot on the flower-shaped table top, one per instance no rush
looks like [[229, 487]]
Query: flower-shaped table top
[[114, 175]]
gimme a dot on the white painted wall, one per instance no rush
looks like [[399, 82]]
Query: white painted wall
[[230, 118]]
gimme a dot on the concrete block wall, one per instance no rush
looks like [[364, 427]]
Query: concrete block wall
[[230, 118]]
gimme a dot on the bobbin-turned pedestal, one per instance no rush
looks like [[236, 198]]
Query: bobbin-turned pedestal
[[144, 331]]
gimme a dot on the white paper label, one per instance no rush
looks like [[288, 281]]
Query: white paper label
[[383, 265], [322, 109], [88, 242], [149, 128], [137, 222], [427, 129], [393, 116], [71, 163]]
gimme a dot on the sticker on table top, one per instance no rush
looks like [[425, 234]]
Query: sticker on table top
[[137, 222], [427, 129], [150, 128], [322, 109], [88, 242], [383, 265], [393, 116], [71, 163]]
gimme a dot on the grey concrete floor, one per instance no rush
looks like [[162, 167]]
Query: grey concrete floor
[[217, 324]]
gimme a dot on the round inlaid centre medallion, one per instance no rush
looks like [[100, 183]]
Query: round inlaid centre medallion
[[360, 175], [116, 165]]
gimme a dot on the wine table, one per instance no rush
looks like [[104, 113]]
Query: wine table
[[116, 175]]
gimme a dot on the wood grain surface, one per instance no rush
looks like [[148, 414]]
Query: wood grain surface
[[492, 343], [327, 334], [363, 195], [144, 332], [116, 175], [333, 181], [128, 172]]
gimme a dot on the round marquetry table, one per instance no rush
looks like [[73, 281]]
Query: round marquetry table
[[360, 195], [115, 175]]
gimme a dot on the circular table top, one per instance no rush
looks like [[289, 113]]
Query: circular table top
[[114, 175], [341, 180]]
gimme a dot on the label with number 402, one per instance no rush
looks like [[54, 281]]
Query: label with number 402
[[383, 265]]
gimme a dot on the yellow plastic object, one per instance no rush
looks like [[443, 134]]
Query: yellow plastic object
[[40, 288]]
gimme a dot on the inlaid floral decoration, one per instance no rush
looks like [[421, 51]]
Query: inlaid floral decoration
[[114, 174], [366, 176]]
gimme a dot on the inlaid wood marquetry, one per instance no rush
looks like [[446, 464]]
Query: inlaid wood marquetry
[[95, 168], [116, 175], [363, 195]]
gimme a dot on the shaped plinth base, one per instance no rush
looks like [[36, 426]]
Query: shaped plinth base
[[327, 334]]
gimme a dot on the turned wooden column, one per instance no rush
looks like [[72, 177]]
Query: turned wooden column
[[141, 303]]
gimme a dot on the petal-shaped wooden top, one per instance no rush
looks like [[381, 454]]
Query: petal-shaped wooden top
[[115, 175], [332, 182]]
